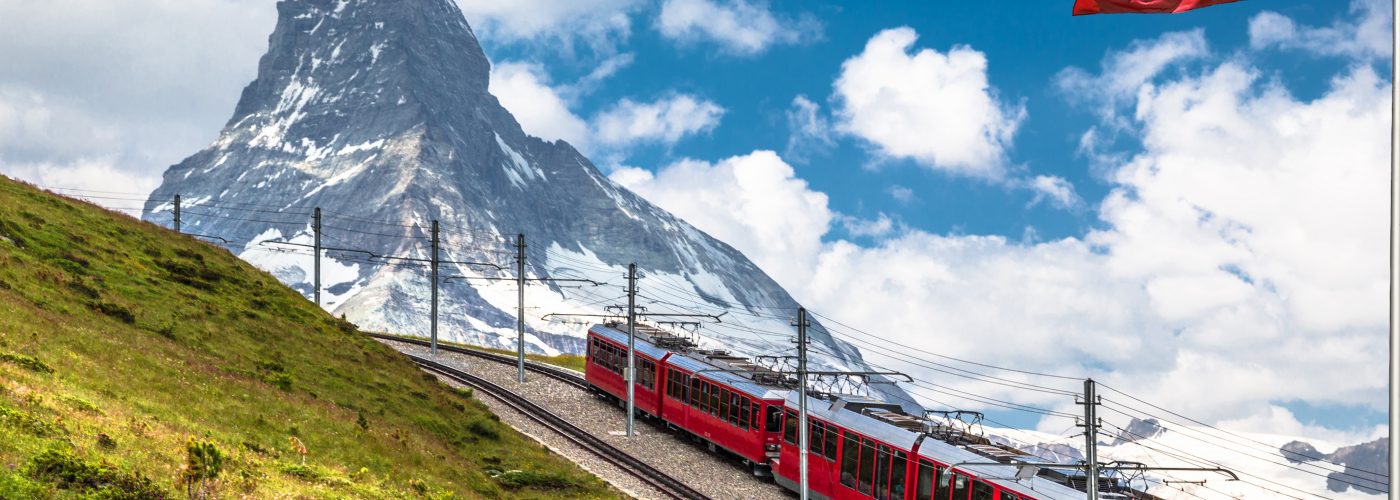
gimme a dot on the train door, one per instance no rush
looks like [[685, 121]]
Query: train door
[[961, 487], [934, 483]]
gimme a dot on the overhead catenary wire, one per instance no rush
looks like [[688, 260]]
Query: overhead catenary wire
[[1223, 431], [1374, 483], [1187, 457]]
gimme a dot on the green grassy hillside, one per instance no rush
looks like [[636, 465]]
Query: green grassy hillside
[[137, 363]]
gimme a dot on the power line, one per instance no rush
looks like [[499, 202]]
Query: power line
[[1283, 464], [1197, 422], [1210, 462]]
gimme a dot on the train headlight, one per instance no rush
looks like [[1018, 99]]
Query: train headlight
[[771, 447]]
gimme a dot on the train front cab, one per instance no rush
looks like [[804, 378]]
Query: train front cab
[[725, 410]]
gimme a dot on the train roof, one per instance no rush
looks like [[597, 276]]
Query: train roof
[[884, 422], [1001, 475], [643, 345], [696, 362]]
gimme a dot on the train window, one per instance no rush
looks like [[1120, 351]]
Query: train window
[[714, 400], [944, 484], [867, 466], [959, 486], [898, 464], [882, 473], [814, 436], [723, 404], [695, 392], [830, 448], [982, 491], [850, 460], [790, 427], [775, 419], [734, 408], [671, 379], [646, 376], [1007, 495], [923, 487], [745, 410]]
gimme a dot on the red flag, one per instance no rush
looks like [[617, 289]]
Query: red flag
[[1086, 7]]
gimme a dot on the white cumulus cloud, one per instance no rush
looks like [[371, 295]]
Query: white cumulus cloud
[[665, 120], [1368, 37], [739, 27], [524, 89], [753, 202], [90, 88], [602, 24], [933, 107], [1244, 243], [1053, 190]]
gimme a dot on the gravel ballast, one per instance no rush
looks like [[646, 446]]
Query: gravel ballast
[[716, 475]]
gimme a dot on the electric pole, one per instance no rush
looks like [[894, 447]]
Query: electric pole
[[1091, 439], [520, 314], [177, 213], [802, 437], [434, 259], [631, 344], [316, 229]]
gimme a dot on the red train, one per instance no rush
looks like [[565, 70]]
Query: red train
[[859, 448]]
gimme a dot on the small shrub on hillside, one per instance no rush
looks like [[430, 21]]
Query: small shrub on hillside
[[203, 462], [279, 380], [166, 329], [519, 479], [26, 422], [80, 404], [100, 481], [27, 362], [84, 289], [106, 442], [192, 274], [117, 311], [484, 427], [304, 472], [275, 374], [361, 421]]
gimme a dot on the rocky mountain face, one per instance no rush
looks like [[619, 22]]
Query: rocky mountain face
[[378, 112], [1363, 462], [1138, 429]]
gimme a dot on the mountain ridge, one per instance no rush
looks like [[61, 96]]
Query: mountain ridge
[[380, 114]]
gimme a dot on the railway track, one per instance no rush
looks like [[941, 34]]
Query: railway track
[[561, 374], [641, 470]]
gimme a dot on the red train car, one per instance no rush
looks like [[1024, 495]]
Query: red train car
[[607, 359], [705, 394], [859, 448], [865, 449]]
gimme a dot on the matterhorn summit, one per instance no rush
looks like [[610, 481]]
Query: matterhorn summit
[[378, 112]]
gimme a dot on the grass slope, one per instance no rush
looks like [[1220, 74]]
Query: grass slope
[[124, 348]]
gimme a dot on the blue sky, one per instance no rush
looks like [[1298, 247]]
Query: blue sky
[[1026, 46], [1145, 252], [1231, 226]]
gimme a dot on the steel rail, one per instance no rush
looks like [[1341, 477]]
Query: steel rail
[[641, 470], [561, 374]]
